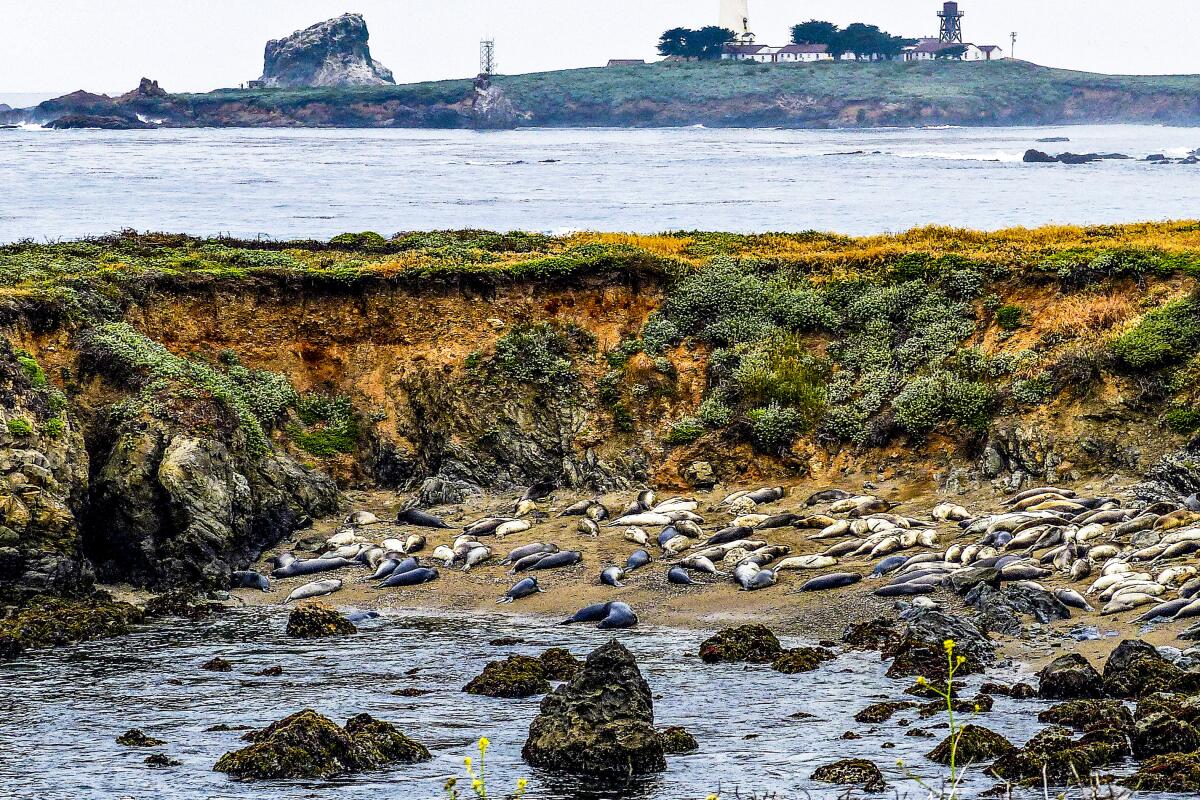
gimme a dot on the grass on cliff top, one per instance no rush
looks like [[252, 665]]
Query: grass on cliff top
[[1000, 81], [1074, 255]]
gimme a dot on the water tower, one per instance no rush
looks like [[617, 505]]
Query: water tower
[[735, 15], [951, 29]]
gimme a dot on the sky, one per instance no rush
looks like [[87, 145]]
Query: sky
[[55, 46]]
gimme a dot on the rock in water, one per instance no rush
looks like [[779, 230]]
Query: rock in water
[[852, 772], [751, 643], [330, 53], [313, 621], [600, 723], [490, 107], [515, 676], [1069, 677], [308, 745]]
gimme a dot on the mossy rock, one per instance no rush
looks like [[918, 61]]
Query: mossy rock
[[559, 664], [1017, 691], [1069, 677], [1088, 715], [882, 712], [1161, 734], [754, 644], [872, 635], [677, 740], [514, 677], [308, 745], [315, 621], [179, 604], [852, 772], [1177, 772], [975, 744], [161, 760], [1135, 668], [217, 664], [801, 659], [979, 704], [135, 737], [1053, 753], [54, 621]]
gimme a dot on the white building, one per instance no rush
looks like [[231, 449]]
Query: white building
[[803, 52], [929, 49], [750, 52]]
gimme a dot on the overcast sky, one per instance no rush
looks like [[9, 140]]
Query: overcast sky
[[196, 45]]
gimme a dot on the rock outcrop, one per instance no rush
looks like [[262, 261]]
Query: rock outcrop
[[491, 109], [752, 643], [43, 484], [314, 621], [1069, 677], [515, 676], [330, 53], [600, 723], [919, 648], [852, 772], [308, 745]]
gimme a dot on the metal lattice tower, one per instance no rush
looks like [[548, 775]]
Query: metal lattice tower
[[951, 28], [1013, 50], [487, 57]]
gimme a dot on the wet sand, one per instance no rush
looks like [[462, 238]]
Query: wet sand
[[716, 602]]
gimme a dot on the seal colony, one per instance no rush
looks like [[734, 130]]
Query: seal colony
[[833, 554]]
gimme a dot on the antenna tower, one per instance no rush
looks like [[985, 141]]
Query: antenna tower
[[487, 57]]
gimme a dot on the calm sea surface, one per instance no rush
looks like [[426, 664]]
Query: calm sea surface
[[317, 183]]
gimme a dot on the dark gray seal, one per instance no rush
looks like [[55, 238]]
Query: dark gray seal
[[566, 558], [637, 559], [827, 496], [904, 589], [423, 519], [386, 567], [539, 491], [310, 566], [528, 562], [612, 577], [592, 613], [247, 579], [731, 534], [528, 550], [889, 564], [281, 560], [680, 577], [619, 616], [668, 533], [777, 521], [412, 577], [767, 495], [834, 580], [520, 590]]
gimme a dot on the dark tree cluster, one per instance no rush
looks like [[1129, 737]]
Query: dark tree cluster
[[705, 44], [857, 38]]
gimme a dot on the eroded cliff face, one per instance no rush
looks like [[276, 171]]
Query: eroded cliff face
[[333, 53]]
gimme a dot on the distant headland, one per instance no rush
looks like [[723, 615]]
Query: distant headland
[[325, 76]]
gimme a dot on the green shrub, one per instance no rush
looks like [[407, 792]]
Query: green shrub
[[367, 240], [685, 431], [619, 356], [782, 372], [774, 427], [330, 425], [659, 334], [622, 418], [55, 427], [537, 354], [19, 426], [1010, 317], [1165, 337], [1182, 420], [926, 403], [714, 412], [31, 369], [1033, 391]]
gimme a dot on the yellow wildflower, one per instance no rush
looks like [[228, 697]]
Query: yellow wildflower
[[949, 645], [483, 744]]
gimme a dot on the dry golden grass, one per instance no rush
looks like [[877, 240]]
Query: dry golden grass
[[1085, 316]]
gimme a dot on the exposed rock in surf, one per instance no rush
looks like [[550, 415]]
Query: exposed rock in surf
[[559, 664], [971, 745], [801, 659], [314, 621], [752, 643], [677, 740], [1135, 668], [1069, 677], [1087, 715], [308, 745], [1177, 772], [135, 737], [852, 772], [1054, 754], [331, 53], [514, 677], [918, 649], [599, 723]]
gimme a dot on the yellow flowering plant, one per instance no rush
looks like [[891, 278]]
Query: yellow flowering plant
[[477, 775]]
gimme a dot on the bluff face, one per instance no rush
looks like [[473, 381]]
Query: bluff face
[[330, 53]]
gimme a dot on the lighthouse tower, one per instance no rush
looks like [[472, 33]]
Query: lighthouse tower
[[735, 15]]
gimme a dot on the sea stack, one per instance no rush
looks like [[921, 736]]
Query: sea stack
[[330, 53]]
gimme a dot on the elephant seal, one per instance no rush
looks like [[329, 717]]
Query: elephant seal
[[422, 519], [889, 564], [734, 533], [539, 491], [412, 577], [310, 566], [281, 560], [578, 509], [386, 567], [247, 579], [485, 526], [679, 576], [638, 559], [528, 550], [761, 580], [565, 558], [620, 615], [612, 577], [827, 496], [407, 565], [904, 589], [667, 534], [476, 555], [314, 589], [592, 613], [1164, 610], [360, 518], [834, 580], [528, 562], [362, 616], [777, 521], [767, 494], [523, 588]]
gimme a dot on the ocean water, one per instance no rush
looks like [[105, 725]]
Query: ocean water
[[65, 708], [317, 183]]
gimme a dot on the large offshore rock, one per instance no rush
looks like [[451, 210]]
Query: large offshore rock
[[330, 53], [919, 648], [600, 723], [1069, 677]]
